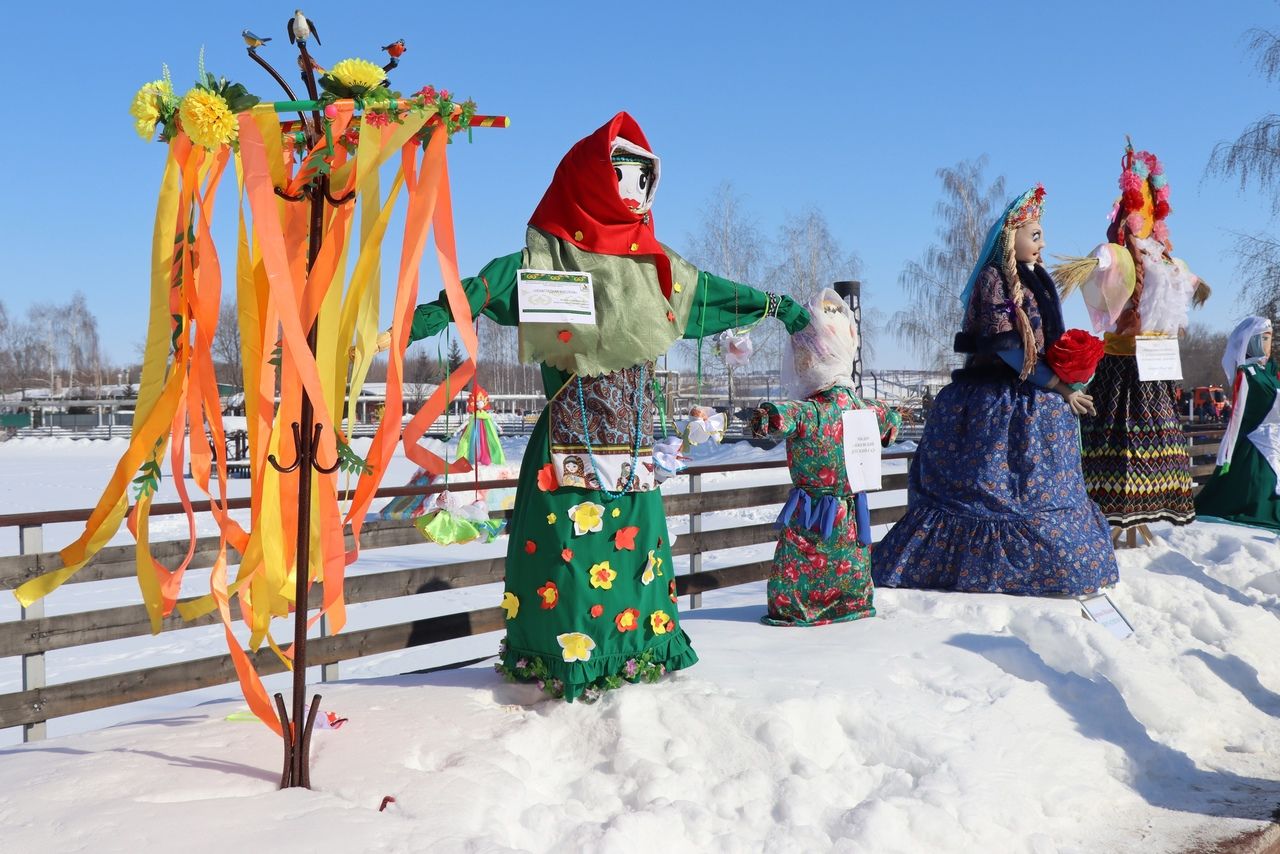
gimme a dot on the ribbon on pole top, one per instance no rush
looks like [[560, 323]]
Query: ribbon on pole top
[[282, 294]]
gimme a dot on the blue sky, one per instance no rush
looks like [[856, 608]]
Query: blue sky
[[845, 107]]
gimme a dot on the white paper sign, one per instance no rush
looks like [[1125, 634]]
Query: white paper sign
[[1158, 359], [1104, 612], [862, 449], [554, 296]]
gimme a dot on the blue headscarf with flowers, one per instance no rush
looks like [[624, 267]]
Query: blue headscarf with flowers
[[1024, 208]]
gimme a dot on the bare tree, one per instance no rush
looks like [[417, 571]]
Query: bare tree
[[83, 348], [1201, 349], [807, 258], [728, 244], [934, 284], [8, 367], [1253, 157], [226, 345]]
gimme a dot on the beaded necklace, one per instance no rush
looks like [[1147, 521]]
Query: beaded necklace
[[638, 403]]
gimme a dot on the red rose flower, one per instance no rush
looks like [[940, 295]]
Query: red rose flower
[[1074, 357]]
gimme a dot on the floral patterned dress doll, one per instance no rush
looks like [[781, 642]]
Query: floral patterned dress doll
[[822, 566]]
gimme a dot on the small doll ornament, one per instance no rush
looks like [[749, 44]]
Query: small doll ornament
[[703, 425]]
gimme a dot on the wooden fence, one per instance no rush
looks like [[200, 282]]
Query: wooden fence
[[35, 634]]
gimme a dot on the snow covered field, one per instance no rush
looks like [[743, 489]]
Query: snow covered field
[[951, 722]]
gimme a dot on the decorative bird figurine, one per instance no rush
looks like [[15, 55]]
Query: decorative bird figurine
[[396, 48], [253, 41], [315, 66], [301, 29]]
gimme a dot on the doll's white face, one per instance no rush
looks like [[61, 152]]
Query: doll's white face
[[1028, 242], [635, 185]]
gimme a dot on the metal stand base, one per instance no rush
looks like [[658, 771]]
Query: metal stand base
[[297, 745]]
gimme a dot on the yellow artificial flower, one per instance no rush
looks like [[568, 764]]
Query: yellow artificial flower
[[576, 646], [358, 74], [602, 575], [146, 107], [616, 513], [588, 517], [207, 119], [551, 518], [653, 568], [661, 623], [510, 604]]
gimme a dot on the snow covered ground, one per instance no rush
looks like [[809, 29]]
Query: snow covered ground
[[950, 722]]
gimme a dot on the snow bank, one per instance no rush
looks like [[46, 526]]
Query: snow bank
[[950, 722]]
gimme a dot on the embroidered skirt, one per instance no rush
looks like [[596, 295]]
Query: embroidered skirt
[[1135, 459]]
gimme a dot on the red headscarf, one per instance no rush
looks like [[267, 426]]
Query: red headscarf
[[582, 206]]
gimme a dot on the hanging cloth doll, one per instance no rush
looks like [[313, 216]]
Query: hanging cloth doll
[[590, 595], [822, 565], [478, 440], [1134, 452], [1244, 488]]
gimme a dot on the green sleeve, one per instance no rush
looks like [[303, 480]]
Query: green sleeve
[[722, 304], [782, 419], [492, 293]]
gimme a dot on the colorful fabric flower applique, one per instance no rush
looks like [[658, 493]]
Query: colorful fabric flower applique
[[661, 622], [576, 646], [596, 610], [551, 518], [628, 620], [652, 569], [566, 555], [547, 478], [549, 594], [616, 513], [625, 538], [602, 575], [510, 604], [588, 517], [672, 591]]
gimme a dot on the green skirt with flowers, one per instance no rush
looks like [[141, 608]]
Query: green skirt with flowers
[[590, 593]]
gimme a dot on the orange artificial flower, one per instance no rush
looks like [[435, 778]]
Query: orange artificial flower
[[625, 539], [547, 478], [628, 620], [549, 594], [566, 555], [596, 610]]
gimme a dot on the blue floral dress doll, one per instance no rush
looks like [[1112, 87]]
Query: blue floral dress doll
[[996, 498]]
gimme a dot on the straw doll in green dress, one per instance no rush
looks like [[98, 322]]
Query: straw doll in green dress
[[590, 599], [822, 566]]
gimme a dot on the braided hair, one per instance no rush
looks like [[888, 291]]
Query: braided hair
[[1009, 269]]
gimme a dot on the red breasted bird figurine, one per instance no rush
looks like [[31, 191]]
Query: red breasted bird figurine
[[396, 49]]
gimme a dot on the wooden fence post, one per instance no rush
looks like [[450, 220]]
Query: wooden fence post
[[328, 672], [31, 541], [695, 527]]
